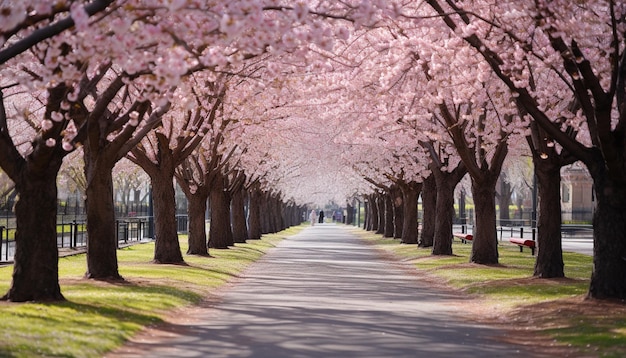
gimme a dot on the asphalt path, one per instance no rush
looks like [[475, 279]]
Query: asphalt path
[[325, 293]]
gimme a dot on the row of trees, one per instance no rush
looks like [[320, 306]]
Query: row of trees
[[157, 82], [438, 90], [300, 103]]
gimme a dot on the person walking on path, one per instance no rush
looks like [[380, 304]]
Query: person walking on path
[[313, 217], [325, 293], [321, 220]]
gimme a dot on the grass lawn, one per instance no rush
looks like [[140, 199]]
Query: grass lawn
[[552, 314], [100, 316]]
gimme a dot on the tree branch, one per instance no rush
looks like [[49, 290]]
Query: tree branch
[[49, 31]]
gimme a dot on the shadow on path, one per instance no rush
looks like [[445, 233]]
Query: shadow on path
[[324, 293]]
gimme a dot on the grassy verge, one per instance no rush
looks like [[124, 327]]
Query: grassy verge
[[100, 316], [549, 312]]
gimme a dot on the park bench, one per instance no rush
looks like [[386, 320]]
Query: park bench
[[463, 237], [523, 242]]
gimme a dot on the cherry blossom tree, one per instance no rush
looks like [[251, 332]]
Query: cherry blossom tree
[[143, 48], [161, 151], [586, 56]]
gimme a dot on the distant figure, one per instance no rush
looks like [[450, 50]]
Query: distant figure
[[313, 217], [321, 216]]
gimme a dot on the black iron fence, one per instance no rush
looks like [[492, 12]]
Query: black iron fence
[[72, 232]]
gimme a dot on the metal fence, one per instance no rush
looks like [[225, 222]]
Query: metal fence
[[72, 233], [528, 232]]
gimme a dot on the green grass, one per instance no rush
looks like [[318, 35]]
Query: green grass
[[554, 308], [100, 316]]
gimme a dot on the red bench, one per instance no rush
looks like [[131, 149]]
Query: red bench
[[463, 237], [523, 242]]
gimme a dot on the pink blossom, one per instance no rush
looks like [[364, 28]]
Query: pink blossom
[[46, 124], [134, 118], [67, 146], [300, 11], [80, 16], [56, 116], [70, 130], [177, 4], [11, 14], [230, 26], [73, 96]]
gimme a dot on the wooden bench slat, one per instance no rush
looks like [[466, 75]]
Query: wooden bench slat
[[523, 242], [463, 237]]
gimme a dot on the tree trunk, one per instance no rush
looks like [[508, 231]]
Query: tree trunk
[[167, 247], [410, 195], [398, 211], [549, 247], [446, 182], [375, 217], [504, 200], [608, 277], [387, 201], [254, 214], [349, 214], [101, 228], [265, 212], [485, 241], [429, 208], [35, 271], [237, 205], [36, 258], [220, 233], [277, 222], [196, 213], [380, 213]]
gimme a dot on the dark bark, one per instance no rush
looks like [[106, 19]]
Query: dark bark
[[35, 268], [429, 208], [485, 242], [548, 163], [484, 175], [101, 228], [265, 208], [254, 214], [167, 246], [196, 213], [35, 272], [446, 182], [380, 213], [289, 215], [349, 214], [410, 195], [608, 277], [238, 216], [398, 211], [549, 262], [278, 214], [388, 227], [220, 233]]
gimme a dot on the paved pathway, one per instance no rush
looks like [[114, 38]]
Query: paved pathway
[[325, 293]]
